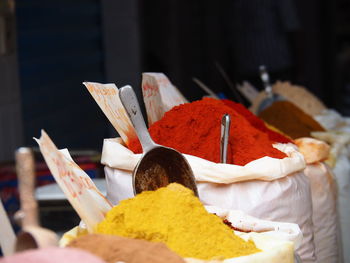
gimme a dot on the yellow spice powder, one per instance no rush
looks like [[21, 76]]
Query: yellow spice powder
[[174, 216]]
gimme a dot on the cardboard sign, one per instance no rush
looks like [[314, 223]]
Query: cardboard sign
[[77, 186], [152, 98], [160, 95], [106, 96]]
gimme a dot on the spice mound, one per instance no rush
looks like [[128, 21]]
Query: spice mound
[[290, 119], [300, 96], [174, 216], [113, 249], [194, 128], [256, 122]]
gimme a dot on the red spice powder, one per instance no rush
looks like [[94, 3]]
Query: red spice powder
[[194, 128], [256, 122]]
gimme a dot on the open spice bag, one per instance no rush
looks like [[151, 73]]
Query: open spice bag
[[276, 239], [336, 134], [327, 233], [267, 188]]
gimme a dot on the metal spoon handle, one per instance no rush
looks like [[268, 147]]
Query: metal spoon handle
[[225, 132], [132, 107], [264, 75]]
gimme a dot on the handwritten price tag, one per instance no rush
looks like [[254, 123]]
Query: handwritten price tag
[[152, 99], [160, 95], [106, 96], [79, 189]]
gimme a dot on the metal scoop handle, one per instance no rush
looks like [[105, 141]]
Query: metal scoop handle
[[132, 107], [225, 132], [264, 75]]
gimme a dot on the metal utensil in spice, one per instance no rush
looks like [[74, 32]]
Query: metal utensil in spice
[[159, 165], [224, 137], [271, 97]]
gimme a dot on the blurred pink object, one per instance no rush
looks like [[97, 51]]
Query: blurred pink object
[[52, 255]]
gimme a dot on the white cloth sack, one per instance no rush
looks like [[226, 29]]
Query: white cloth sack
[[246, 223], [267, 188], [325, 214], [340, 162], [342, 175], [325, 218]]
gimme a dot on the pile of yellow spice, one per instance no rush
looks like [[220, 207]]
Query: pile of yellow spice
[[174, 216]]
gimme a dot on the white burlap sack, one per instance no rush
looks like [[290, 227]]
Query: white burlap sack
[[267, 188], [325, 214], [342, 175], [340, 140], [325, 218]]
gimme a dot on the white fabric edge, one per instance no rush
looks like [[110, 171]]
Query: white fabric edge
[[279, 230], [116, 155]]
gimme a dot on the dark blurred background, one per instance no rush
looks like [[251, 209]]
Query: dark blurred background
[[48, 48]]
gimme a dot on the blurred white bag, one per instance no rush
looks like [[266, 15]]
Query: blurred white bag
[[342, 174], [267, 188], [324, 200], [325, 214], [340, 163]]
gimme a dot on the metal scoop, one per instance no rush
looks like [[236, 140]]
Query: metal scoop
[[32, 235], [159, 165], [270, 96]]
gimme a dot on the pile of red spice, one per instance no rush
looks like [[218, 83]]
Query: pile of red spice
[[194, 128], [256, 122]]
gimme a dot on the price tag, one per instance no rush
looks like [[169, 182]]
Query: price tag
[[152, 98], [106, 96], [80, 190], [160, 95]]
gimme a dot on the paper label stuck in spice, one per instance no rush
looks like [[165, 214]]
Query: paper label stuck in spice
[[77, 186], [160, 95], [106, 96], [152, 99]]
